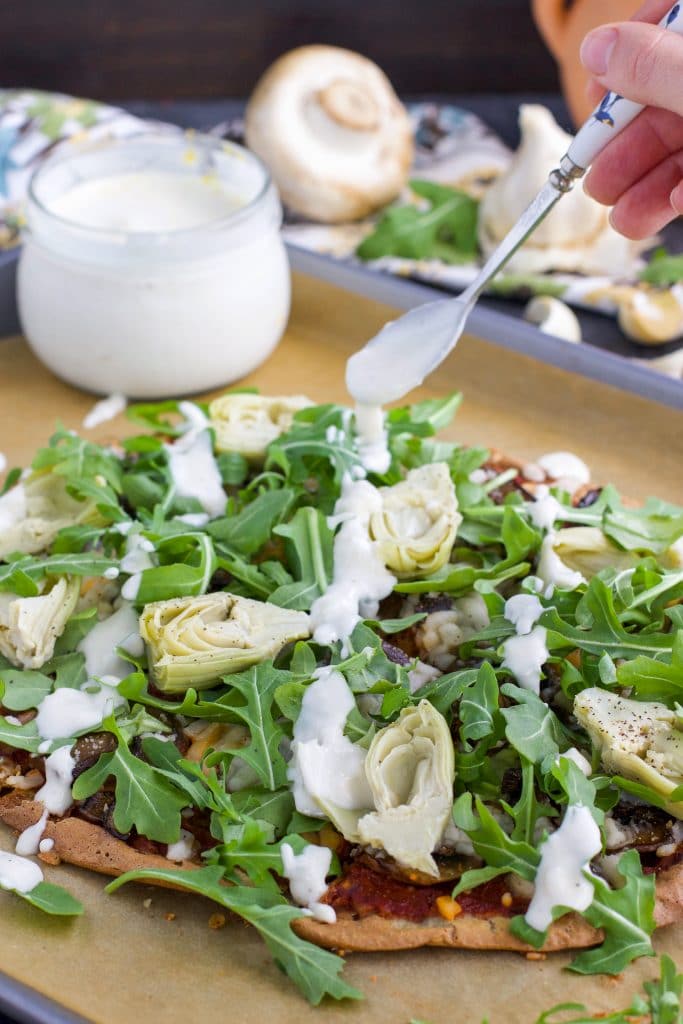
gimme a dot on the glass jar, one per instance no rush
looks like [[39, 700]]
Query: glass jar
[[153, 265]]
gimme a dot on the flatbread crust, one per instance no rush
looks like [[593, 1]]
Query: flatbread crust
[[90, 846]]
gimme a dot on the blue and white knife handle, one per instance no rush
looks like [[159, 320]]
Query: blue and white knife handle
[[609, 118]]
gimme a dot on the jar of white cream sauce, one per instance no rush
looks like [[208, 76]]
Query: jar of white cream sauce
[[153, 265]]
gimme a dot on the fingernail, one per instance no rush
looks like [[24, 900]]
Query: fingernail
[[596, 49]]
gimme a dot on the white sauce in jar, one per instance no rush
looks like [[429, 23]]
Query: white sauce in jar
[[147, 273]]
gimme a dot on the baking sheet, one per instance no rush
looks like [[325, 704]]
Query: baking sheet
[[123, 961]]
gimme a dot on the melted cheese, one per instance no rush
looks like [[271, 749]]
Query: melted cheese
[[306, 873], [525, 657], [565, 856]]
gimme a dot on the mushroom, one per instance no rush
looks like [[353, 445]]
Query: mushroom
[[332, 131], [552, 316], [576, 235]]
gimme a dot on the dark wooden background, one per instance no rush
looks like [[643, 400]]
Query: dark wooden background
[[155, 49]]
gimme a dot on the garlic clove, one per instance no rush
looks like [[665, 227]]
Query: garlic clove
[[553, 316], [650, 315]]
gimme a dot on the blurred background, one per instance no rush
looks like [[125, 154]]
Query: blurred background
[[119, 49]]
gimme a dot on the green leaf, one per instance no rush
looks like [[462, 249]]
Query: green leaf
[[53, 900], [36, 568], [664, 994], [532, 728], [258, 686], [145, 799], [391, 626], [188, 574], [655, 680], [21, 737], [493, 845], [249, 529], [460, 579], [315, 971], [626, 916], [527, 811], [20, 690], [446, 229], [309, 545], [478, 709], [663, 269], [519, 538]]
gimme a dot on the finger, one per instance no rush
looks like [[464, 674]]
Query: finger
[[648, 141], [642, 62], [652, 11], [647, 206], [594, 91]]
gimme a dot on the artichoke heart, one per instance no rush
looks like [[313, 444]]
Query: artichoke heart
[[587, 550], [33, 512], [193, 641], [641, 740], [417, 522], [248, 423], [410, 768], [29, 626]]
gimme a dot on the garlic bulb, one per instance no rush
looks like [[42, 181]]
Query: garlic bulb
[[332, 131], [650, 315], [552, 316], [576, 235]]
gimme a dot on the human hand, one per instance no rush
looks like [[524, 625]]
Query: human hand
[[640, 173]]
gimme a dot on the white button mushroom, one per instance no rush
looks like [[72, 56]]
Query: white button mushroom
[[332, 131]]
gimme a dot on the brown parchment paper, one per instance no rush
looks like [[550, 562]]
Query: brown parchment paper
[[127, 962]]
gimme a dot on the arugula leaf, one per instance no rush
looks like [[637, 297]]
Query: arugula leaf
[[445, 230], [663, 269], [22, 737], [21, 575], [209, 706], [315, 971], [460, 579], [655, 680], [532, 728], [145, 799], [193, 563], [492, 844], [21, 690], [258, 685], [248, 530], [478, 710], [309, 547], [89, 469], [53, 900], [626, 916], [528, 810]]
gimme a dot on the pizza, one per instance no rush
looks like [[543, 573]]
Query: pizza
[[365, 692]]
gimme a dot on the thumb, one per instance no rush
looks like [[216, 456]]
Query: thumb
[[639, 61]]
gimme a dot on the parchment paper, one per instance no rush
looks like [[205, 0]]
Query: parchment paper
[[124, 962]]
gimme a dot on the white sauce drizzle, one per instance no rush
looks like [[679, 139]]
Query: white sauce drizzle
[[523, 611], [28, 842], [372, 438], [525, 657], [99, 646], [192, 464], [55, 795], [325, 763], [552, 570], [13, 507], [104, 410], [198, 519], [360, 579], [306, 872], [18, 874], [544, 512], [182, 849], [579, 760], [3, 462], [566, 468], [67, 712], [565, 856], [46, 845]]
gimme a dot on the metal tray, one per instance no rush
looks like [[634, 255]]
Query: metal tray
[[501, 328]]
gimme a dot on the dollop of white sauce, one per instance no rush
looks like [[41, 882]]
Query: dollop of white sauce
[[138, 557], [198, 519], [28, 842], [523, 611], [55, 795], [13, 507], [371, 438], [544, 512], [67, 712], [565, 856], [192, 464], [18, 874], [360, 578], [99, 646], [183, 848], [3, 462], [525, 657], [104, 410], [325, 763], [552, 570], [419, 675], [579, 760], [306, 873], [46, 845], [566, 468]]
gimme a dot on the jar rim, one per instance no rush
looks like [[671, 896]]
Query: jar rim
[[209, 144]]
